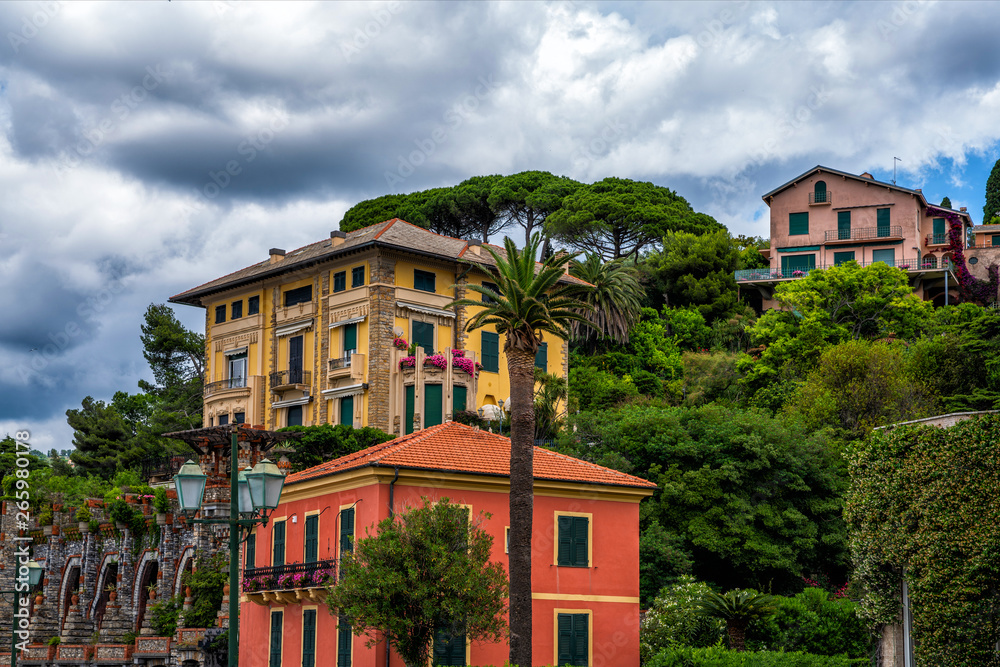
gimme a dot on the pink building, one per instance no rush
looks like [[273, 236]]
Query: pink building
[[825, 217]]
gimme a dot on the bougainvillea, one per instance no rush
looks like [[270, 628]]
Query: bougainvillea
[[400, 343], [407, 362], [925, 502], [974, 289]]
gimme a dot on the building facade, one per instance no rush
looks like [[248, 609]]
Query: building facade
[[825, 217], [585, 554], [318, 335]]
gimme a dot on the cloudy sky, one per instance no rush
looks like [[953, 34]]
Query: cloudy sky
[[148, 147]]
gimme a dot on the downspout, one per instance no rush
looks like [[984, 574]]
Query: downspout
[[392, 488]]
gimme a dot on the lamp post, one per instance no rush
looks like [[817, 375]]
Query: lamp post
[[33, 575], [253, 494]]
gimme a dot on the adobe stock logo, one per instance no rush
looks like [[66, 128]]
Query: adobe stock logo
[[30, 26]]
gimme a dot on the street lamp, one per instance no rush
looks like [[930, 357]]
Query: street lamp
[[29, 573], [253, 494]]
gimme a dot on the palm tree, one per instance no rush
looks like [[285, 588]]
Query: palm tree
[[615, 299], [737, 608], [529, 300]]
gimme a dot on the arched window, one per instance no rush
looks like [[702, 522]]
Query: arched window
[[819, 192]]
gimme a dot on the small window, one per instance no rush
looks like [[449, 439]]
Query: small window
[[798, 224], [278, 544], [220, 314], [819, 192], [573, 645], [340, 281], [490, 348], [239, 417], [298, 295], [237, 310], [972, 260], [573, 547], [841, 257], [253, 305], [423, 280], [490, 286], [223, 420], [357, 276], [542, 357]]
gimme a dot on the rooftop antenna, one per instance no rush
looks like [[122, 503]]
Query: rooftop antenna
[[894, 161]]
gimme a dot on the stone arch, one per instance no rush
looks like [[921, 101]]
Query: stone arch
[[107, 573], [146, 573], [71, 574], [185, 562]]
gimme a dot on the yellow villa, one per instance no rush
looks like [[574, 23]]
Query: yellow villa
[[318, 335]]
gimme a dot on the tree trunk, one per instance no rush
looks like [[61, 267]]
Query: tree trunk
[[521, 366], [737, 631]]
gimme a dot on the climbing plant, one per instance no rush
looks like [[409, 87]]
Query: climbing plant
[[983, 291], [924, 504]]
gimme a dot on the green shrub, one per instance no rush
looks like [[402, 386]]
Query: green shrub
[[163, 616], [812, 622], [685, 656], [211, 573], [161, 504], [674, 620], [83, 514], [688, 327], [591, 389]]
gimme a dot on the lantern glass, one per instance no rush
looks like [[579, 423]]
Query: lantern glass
[[34, 573], [190, 483], [246, 502], [266, 482]]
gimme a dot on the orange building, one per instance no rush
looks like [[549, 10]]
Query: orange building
[[585, 551]]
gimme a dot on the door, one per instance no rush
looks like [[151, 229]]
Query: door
[[408, 414], [347, 410], [939, 234], [295, 360], [882, 222], [843, 225], [432, 405], [238, 370]]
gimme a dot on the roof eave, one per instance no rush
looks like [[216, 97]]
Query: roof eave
[[845, 174]]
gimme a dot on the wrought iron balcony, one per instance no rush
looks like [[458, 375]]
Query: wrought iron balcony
[[226, 384], [984, 242], [820, 198], [289, 583], [863, 233], [343, 362], [767, 275], [291, 377], [937, 239]]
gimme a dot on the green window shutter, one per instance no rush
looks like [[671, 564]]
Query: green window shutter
[[841, 257], [220, 314], [432, 405], [565, 640], [798, 223], [581, 644], [819, 192], [581, 537], [347, 410], [423, 336], [449, 646], [344, 639], [253, 305], [251, 551], [542, 357], [995, 241], [882, 222], [357, 276], [309, 638], [459, 399], [938, 231], [491, 351], [490, 286], [792, 263], [423, 280], [843, 225], [350, 337], [294, 416], [312, 538], [408, 417], [278, 553], [888, 256], [347, 531], [340, 281], [275, 657], [565, 553]]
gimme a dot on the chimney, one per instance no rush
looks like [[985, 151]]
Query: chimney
[[338, 238], [277, 254], [868, 176], [963, 209], [920, 190], [475, 247]]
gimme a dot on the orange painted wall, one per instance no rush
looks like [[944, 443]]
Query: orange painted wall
[[613, 572]]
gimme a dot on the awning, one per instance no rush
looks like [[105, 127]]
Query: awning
[[425, 309], [291, 401], [353, 320], [340, 392], [290, 329], [235, 351]]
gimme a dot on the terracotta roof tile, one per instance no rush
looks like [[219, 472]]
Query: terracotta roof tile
[[454, 447]]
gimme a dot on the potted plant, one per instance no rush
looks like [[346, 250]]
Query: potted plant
[[161, 505], [400, 343], [151, 591], [83, 517], [112, 590], [45, 520]]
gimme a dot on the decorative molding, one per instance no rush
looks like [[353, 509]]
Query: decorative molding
[[222, 344]]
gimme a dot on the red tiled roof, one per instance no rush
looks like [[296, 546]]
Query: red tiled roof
[[454, 447]]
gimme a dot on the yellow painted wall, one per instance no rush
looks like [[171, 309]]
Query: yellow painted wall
[[443, 280]]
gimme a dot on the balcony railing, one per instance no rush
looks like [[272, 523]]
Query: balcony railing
[[986, 242], [860, 234], [937, 239], [343, 362], [759, 275], [290, 377], [223, 385], [291, 576], [820, 197]]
